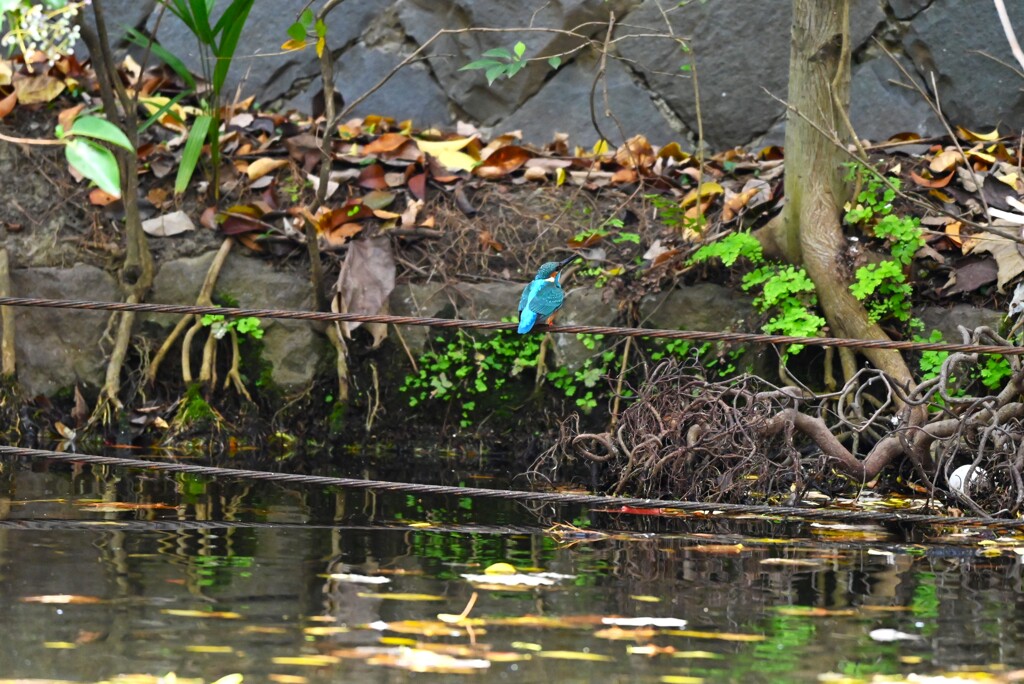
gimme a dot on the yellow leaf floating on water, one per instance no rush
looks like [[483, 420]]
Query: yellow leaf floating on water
[[681, 679], [200, 648], [402, 597], [500, 569], [219, 614], [62, 598], [59, 644], [307, 660], [576, 655], [724, 636], [448, 154]]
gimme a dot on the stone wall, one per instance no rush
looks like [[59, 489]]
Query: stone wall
[[741, 48]]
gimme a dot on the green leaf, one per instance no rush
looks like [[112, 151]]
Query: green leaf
[[306, 18], [231, 23], [481, 64], [96, 163], [501, 53], [494, 73], [520, 49], [101, 129], [190, 155], [555, 61], [297, 32], [321, 28]]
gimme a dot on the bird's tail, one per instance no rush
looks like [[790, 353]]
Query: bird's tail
[[527, 319]]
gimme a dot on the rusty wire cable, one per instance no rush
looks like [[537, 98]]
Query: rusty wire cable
[[611, 504], [697, 335]]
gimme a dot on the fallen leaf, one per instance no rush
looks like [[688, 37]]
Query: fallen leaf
[[503, 162], [971, 136], [263, 166], [706, 190], [1008, 258], [7, 104], [487, 241], [945, 160], [448, 153], [99, 198], [636, 153], [940, 182], [37, 89], [337, 236], [366, 279], [169, 224], [388, 142]]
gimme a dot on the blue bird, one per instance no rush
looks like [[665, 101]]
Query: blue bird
[[543, 296]]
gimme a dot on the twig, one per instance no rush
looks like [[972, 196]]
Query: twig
[[1011, 37]]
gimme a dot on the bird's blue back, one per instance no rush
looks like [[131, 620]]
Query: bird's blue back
[[541, 298]]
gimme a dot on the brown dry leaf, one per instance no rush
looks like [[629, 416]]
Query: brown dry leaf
[[945, 160], [264, 165], [503, 162], [67, 116], [7, 104], [157, 197], [1008, 258], [940, 182], [625, 176], [37, 89], [366, 279], [336, 236], [535, 173], [388, 142], [495, 144], [99, 198], [487, 241], [241, 218], [636, 153], [373, 177]]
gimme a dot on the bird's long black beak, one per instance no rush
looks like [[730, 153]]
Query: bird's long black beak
[[565, 262]]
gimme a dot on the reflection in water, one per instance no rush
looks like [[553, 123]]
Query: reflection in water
[[105, 572]]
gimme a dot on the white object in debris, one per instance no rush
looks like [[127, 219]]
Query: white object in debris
[[963, 481]]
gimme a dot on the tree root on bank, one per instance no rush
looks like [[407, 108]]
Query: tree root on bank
[[744, 440], [193, 324]]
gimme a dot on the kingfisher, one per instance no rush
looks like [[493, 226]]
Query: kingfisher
[[543, 296]]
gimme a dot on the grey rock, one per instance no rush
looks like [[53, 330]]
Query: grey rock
[[703, 306], [293, 349], [906, 9], [563, 105], [583, 306], [742, 49], [974, 90], [947, 319], [411, 93], [120, 14], [259, 64], [879, 109], [58, 348], [416, 299], [484, 104]]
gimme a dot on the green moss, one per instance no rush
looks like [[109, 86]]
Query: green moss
[[194, 409]]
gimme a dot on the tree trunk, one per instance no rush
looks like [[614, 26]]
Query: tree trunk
[[808, 229]]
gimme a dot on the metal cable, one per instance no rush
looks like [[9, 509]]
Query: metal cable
[[696, 335], [785, 513]]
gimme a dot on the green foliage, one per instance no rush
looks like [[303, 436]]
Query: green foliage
[[499, 62], [883, 287], [580, 385], [248, 326], [217, 42], [995, 372], [931, 361], [469, 368], [673, 215], [784, 290], [730, 248], [86, 155], [308, 25]]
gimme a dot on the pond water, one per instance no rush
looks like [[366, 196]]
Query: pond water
[[110, 572]]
